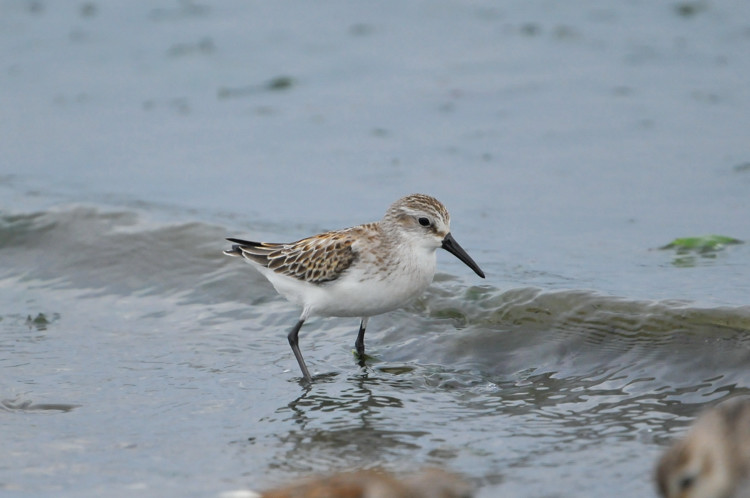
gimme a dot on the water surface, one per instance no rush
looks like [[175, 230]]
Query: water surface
[[568, 142]]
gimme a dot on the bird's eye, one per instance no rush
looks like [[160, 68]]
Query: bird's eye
[[686, 483], [425, 222]]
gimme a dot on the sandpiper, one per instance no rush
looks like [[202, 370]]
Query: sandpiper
[[429, 483], [360, 271], [713, 459]]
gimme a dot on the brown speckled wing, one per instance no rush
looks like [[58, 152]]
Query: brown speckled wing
[[318, 259]]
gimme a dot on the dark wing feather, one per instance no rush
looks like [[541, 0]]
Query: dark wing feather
[[318, 259]]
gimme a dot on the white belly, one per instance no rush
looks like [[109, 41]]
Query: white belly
[[348, 298], [359, 292]]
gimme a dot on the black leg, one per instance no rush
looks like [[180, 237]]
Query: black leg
[[294, 343], [360, 343]]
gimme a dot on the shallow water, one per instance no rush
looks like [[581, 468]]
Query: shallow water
[[569, 144]]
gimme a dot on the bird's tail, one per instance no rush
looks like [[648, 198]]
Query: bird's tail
[[235, 251]]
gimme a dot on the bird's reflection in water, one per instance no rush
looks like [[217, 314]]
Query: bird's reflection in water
[[334, 428]]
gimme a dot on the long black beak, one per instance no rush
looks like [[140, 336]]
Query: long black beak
[[450, 245]]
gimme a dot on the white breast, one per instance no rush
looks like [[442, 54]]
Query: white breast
[[361, 291]]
